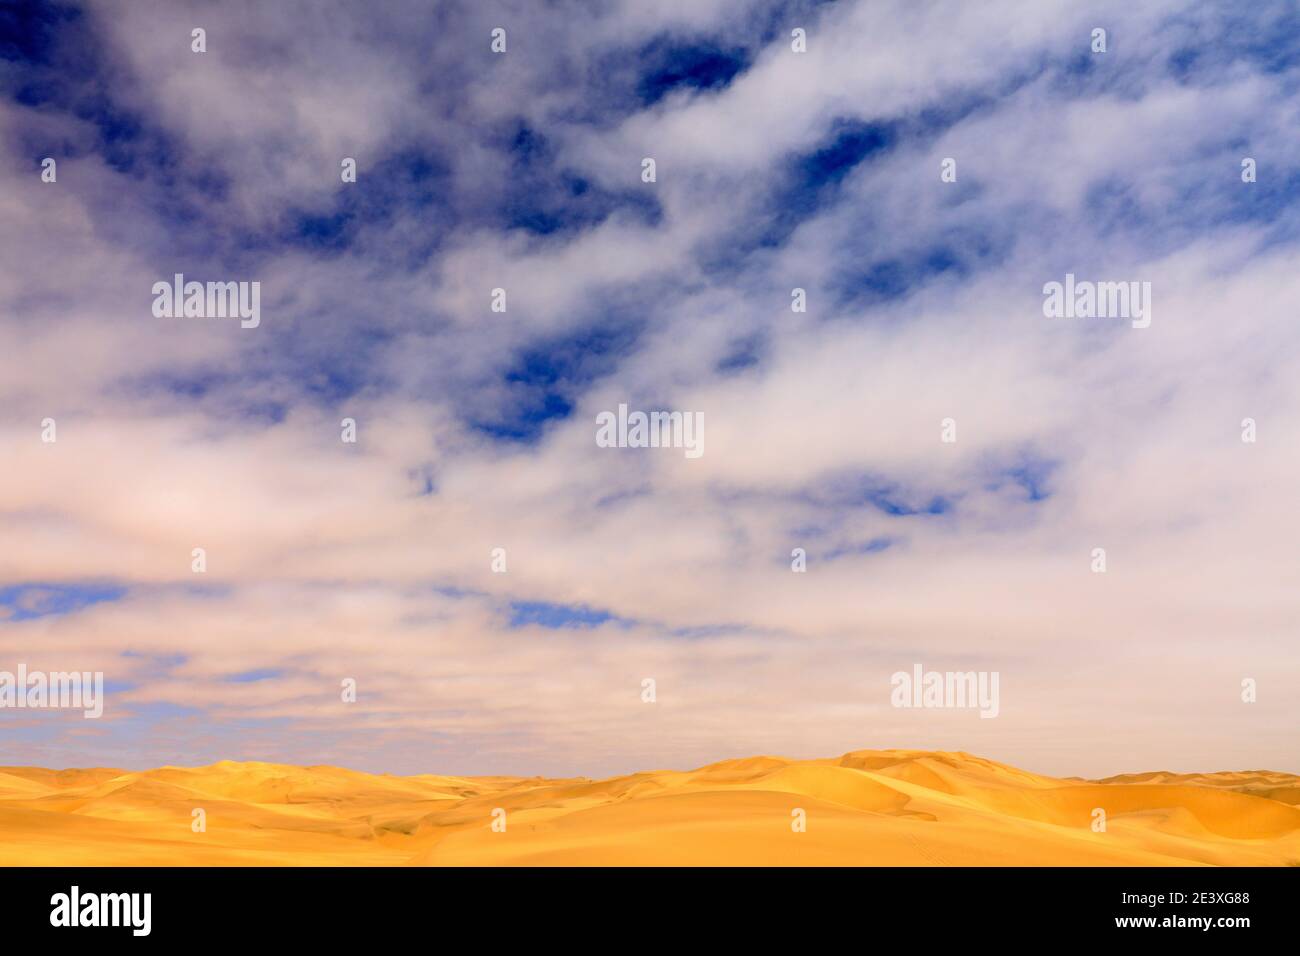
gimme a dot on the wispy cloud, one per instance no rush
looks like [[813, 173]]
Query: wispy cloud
[[373, 560]]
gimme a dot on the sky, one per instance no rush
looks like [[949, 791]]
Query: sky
[[821, 169]]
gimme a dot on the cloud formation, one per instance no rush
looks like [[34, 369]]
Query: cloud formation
[[476, 428]]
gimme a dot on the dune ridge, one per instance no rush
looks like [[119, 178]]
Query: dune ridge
[[867, 807]]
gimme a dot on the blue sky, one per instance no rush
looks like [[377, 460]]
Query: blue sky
[[776, 170]]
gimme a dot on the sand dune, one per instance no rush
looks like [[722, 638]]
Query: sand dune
[[871, 807]]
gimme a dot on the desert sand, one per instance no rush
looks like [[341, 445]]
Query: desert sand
[[871, 807]]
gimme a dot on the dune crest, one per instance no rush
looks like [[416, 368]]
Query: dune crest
[[867, 807]]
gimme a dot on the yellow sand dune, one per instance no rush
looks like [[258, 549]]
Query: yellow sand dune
[[870, 807]]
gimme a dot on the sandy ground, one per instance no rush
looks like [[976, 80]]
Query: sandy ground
[[873, 807]]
